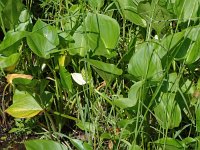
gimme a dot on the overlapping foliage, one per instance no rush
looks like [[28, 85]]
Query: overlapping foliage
[[124, 73]]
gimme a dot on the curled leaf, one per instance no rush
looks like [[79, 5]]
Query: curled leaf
[[10, 77]]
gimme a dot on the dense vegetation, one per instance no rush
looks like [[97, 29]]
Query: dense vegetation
[[100, 74]]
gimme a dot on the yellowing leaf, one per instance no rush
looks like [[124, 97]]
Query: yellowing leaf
[[24, 105], [10, 77]]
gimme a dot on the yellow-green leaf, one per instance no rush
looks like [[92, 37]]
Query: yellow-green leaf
[[24, 105]]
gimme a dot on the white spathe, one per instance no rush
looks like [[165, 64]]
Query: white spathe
[[78, 78]]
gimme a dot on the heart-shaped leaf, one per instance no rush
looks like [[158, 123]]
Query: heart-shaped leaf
[[24, 105]]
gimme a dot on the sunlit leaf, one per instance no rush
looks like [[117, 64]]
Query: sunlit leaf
[[145, 63], [43, 39], [186, 9], [94, 37], [81, 45], [47, 31], [24, 105], [40, 45], [40, 144], [102, 39]]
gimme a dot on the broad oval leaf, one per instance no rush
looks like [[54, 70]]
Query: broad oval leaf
[[47, 31], [110, 68], [109, 29], [170, 144], [78, 144], [132, 97], [81, 45], [168, 112], [134, 91], [170, 42], [186, 10], [155, 15], [193, 53], [40, 45], [128, 9], [124, 102], [94, 37], [24, 105], [103, 33], [145, 63], [39, 144]]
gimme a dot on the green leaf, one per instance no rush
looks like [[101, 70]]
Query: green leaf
[[66, 79], [44, 145], [105, 135], [94, 37], [132, 97], [198, 118], [9, 61], [186, 9], [43, 39], [170, 144], [81, 45], [128, 9], [95, 25], [134, 90], [96, 4], [86, 126], [188, 141], [11, 38], [77, 143], [11, 13], [107, 77], [24, 105], [40, 45], [173, 82], [155, 15], [145, 63], [47, 31], [168, 112], [124, 102], [135, 147], [168, 43], [110, 68], [193, 53]]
